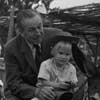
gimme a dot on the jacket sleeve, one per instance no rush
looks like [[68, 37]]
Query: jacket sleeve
[[13, 78]]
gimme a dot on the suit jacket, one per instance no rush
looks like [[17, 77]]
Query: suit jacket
[[22, 68]]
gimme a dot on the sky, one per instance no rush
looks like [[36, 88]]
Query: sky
[[71, 3]]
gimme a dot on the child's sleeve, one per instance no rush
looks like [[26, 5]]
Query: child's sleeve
[[74, 78], [44, 72]]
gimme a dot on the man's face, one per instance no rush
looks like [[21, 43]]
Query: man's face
[[33, 29]]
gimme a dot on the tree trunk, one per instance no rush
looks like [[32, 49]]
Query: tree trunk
[[11, 24]]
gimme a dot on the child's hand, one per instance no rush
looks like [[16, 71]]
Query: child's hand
[[64, 85]]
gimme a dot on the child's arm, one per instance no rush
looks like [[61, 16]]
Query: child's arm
[[55, 85], [74, 79], [73, 76], [43, 82]]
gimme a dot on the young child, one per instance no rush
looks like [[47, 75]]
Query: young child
[[57, 71]]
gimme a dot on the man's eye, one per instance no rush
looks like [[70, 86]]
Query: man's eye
[[32, 29], [39, 27], [68, 54]]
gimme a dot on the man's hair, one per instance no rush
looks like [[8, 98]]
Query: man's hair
[[27, 13]]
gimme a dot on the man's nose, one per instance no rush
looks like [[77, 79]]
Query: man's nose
[[39, 32]]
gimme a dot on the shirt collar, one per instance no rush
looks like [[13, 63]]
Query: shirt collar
[[30, 45]]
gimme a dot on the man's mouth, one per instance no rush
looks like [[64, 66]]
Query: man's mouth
[[34, 40]]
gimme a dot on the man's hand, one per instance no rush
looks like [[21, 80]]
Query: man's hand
[[45, 93]]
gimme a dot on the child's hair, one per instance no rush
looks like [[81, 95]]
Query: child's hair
[[59, 45]]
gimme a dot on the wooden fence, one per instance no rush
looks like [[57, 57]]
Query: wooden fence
[[2, 69]]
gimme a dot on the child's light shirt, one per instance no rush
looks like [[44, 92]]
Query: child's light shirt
[[50, 72]]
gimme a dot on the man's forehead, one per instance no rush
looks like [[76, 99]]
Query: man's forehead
[[34, 21]]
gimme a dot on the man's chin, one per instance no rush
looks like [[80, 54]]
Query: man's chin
[[35, 42]]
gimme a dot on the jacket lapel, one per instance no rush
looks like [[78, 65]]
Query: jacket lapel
[[28, 54], [31, 61]]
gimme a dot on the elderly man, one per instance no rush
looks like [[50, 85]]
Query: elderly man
[[22, 59]]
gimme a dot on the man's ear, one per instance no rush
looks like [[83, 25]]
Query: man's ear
[[42, 31], [17, 30]]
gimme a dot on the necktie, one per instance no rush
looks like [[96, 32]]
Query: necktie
[[38, 56]]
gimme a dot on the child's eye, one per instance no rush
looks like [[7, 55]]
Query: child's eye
[[67, 54], [60, 52]]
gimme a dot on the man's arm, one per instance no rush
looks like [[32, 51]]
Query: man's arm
[[18, 87], [13, 78]]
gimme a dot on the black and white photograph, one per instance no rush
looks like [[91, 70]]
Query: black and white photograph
[[49, 49]]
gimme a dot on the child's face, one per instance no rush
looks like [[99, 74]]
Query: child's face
[[63, 54]]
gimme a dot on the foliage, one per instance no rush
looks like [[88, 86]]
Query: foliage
[[5, 10]]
